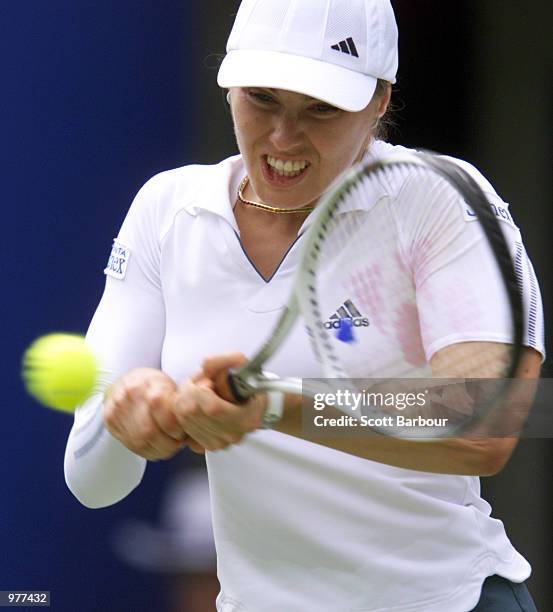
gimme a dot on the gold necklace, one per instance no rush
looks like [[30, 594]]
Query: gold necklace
[[271, 209]]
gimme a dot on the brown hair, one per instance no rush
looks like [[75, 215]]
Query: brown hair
[[386, 123]]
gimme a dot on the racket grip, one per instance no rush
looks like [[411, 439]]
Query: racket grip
[[226, 387], [233, 385]]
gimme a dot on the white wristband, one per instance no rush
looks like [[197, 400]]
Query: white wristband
[[274, 410], [275, 406]]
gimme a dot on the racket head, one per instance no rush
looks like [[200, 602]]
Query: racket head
[[374, 254]]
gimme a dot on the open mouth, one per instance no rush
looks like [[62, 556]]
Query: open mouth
[[285, 169]]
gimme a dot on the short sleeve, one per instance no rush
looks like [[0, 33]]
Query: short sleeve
[[459, 290]]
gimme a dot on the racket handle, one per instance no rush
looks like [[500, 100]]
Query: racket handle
[[226, 385], [233, 383]]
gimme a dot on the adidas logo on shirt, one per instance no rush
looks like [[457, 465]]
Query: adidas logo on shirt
[[346, 46], [347, 311]]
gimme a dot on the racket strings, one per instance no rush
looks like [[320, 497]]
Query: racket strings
[[372, 246]]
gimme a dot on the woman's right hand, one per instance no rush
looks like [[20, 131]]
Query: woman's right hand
[[139, 412]]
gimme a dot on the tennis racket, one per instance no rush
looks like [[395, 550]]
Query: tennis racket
[[381, 243]]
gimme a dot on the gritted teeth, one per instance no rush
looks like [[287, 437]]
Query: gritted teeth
[[287, 168]]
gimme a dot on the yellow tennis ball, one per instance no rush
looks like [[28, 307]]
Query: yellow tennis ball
[[60, 371]]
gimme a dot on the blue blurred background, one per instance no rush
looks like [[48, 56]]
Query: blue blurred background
[[96, 97]]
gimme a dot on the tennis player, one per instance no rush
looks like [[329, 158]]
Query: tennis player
[[203, 266]]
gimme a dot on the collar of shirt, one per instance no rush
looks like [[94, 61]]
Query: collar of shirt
[[218, 194], [213, 193]]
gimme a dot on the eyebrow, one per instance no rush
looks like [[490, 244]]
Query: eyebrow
[[273, 90]]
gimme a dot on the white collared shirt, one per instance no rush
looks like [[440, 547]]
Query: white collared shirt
[[298, 527]]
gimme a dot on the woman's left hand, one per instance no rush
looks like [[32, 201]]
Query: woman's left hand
[[212, 422]]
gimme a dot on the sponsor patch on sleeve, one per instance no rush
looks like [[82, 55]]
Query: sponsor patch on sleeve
[[118, 261], [499, 210]]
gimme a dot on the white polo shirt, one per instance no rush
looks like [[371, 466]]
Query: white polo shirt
[[298, 527]]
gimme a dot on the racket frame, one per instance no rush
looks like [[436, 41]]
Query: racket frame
[[249, 379]]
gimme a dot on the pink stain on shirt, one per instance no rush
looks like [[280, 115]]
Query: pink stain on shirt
[[365, 286], [408, 334]]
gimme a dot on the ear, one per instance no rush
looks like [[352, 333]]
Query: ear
[[228, 98], [384, 101]]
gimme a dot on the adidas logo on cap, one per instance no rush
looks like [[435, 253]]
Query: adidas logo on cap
[[346, 46]]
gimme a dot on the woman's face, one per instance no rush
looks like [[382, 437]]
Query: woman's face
[[293, 146]]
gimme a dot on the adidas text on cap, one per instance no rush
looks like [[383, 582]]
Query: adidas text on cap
[[331, 50]]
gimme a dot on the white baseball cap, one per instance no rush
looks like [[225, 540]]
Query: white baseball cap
[[331, 50]]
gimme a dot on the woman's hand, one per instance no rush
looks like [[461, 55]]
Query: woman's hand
[[154, 418], [213, 422], [139, 410]]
